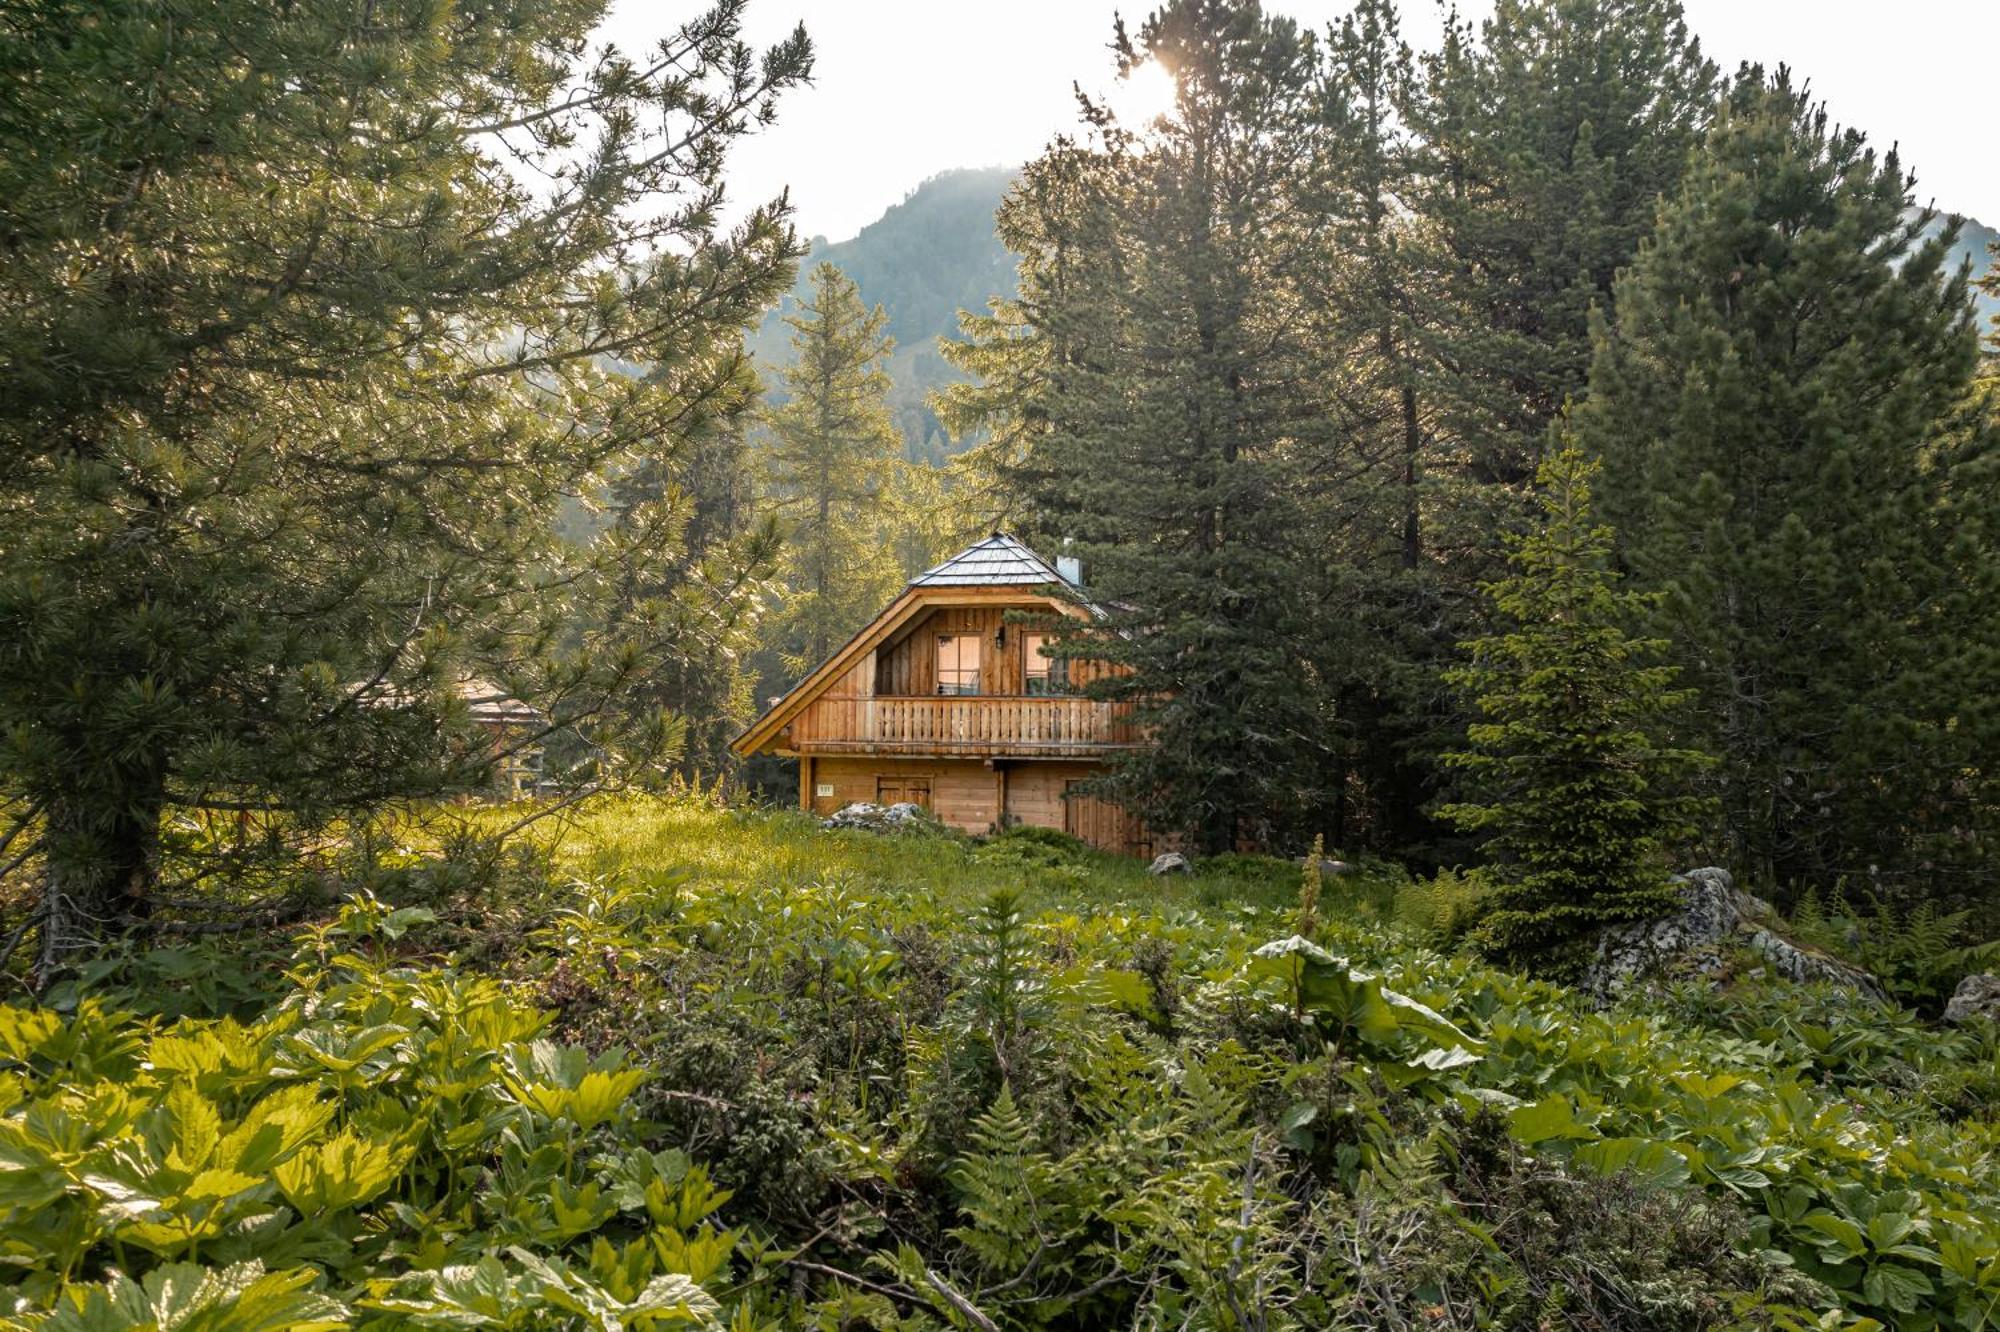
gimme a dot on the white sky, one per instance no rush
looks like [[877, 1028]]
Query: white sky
[[904, 89]]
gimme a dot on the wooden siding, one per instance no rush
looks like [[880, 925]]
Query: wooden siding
[[887, 629], [975, 798], [1105, 825], [906, 666], [886, 702], [963, 795]]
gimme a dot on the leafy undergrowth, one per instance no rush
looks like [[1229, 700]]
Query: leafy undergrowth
[[717, 1069]]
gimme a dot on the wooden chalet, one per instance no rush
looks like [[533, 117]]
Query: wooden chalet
[[941, 701], [508, 725]]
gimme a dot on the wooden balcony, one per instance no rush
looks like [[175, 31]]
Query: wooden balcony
[[978, 726]]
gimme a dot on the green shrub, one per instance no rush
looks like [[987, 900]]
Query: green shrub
[[880, 1081], [1065, 845], [398, 1145], [1918, 952], [1443, 908]]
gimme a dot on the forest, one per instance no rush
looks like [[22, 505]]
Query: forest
[[1538, 496]]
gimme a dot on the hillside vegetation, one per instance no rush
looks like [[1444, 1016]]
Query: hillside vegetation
[[697, 1067], [924, 260]]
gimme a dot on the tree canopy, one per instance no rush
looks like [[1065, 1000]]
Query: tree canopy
[[313, 318]]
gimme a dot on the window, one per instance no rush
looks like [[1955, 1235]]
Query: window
[[900, 790], [958, 664], [1042, 675]]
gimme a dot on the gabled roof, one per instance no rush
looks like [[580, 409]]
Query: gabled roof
[[998, 561]]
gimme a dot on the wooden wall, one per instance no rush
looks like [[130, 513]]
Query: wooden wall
[[969, 796], [907, 666], [964, 794], [1040, 795]]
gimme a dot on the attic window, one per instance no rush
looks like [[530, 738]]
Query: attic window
[[958, 663]]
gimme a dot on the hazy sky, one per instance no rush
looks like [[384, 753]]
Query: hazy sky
[[904, 89]]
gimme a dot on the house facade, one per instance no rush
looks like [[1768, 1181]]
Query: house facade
[[943, 702]]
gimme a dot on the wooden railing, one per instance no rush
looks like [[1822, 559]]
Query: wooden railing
[[961, 724]]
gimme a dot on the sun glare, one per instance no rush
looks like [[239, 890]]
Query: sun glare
[[1144, 95]]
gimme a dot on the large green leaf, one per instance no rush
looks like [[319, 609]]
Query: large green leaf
[[183, 1297], [563, 1082], [344, 1171], [1549, 1119], [1654, 1162]]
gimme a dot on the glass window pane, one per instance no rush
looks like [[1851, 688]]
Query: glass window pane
[[1041, 674], [958, 664]]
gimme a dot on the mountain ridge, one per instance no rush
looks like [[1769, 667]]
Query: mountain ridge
[[926, 258]]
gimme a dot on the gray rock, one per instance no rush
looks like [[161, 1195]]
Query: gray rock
[[1332, 869], [1170, 862], [1754, 907], [1714, 918], [871, 817], [1977, 996]]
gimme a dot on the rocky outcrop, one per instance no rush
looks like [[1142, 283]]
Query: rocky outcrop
[[1977, 996], [1170, 862], [870, 817], [1714, 920]]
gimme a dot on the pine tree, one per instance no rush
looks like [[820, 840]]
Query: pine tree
[[1385, 630], [303, 373], [1176, 401], [1579, 795], [698, 579], [1545, 145], [831, 459], [1784, 401]]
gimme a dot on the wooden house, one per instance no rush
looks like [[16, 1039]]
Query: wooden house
[[509, 726], [941, 701]]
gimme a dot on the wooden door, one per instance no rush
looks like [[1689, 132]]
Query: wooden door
[[1102, 824], [903, 790]]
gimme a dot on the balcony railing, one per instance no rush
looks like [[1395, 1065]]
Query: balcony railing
[[976, 725]]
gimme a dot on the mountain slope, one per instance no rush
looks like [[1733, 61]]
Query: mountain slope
[[923, 260]]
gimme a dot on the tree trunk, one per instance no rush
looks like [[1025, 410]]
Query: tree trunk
[[101, 869]]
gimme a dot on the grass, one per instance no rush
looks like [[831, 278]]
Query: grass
[[779, 850]]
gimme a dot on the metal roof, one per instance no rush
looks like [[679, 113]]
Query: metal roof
[[998, 561]]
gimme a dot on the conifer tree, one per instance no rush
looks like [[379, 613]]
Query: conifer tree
[[1176, 408], [310, 314], [831, 459], [1569, 775], [1783, 398], [1544, 143], [1384, 637], [699, 580]]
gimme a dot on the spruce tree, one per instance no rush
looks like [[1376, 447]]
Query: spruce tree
[[1544, 146], [1175, 401], [311, 314], [831, 461], [1783, 397], [1568, 773]]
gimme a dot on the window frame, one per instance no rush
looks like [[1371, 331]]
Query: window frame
[[1054, 674], [966, 681]]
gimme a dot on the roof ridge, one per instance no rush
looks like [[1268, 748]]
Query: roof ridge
[[998, 560]]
